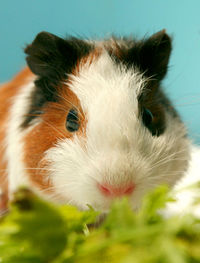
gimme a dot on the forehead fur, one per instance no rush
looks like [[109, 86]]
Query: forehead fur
[[101, 65], [105, 82]]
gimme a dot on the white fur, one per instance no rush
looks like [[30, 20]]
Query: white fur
[[118, 149], [14, 150]]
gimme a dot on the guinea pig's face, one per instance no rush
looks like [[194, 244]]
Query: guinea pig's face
[[100, 126]]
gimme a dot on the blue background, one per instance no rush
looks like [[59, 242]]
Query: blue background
[[21, 20]]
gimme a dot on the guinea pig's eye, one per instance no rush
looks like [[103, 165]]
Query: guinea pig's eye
[[72, 122], [147, 118]]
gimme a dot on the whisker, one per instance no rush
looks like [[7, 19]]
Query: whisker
[[60, 187], [167, 158], [58, 95], [73, 105], [50, 125], [32, 168], [165, 161]]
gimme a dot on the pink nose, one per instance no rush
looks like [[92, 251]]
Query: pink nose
[[112, 191]]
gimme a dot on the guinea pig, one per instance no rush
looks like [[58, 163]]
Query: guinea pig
[[87, 122]]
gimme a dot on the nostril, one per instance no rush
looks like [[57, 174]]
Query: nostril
[[109, 190], [129, 189], [104, 190]]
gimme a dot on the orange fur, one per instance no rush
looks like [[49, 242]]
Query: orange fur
[[47, 133]]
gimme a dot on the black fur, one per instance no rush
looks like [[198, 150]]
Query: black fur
[[51, 58], [150, 56]]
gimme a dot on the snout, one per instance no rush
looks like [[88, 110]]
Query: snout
[[116, 191]]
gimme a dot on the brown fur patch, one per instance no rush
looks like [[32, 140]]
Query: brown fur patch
[[47, 133], [7, 93]]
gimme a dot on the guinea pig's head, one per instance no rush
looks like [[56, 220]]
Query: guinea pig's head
[[99, 126]]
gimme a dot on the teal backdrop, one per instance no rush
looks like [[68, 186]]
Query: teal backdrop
[[21, 20]]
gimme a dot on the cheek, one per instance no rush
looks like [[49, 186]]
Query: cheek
[[70, 169], [41, 138], [36, 142], [44, 136], [74, 172]]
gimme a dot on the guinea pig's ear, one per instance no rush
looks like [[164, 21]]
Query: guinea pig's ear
[[151, 56], [51, 56]]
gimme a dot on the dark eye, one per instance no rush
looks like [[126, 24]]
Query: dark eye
[[147, 118], [72, 122]]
